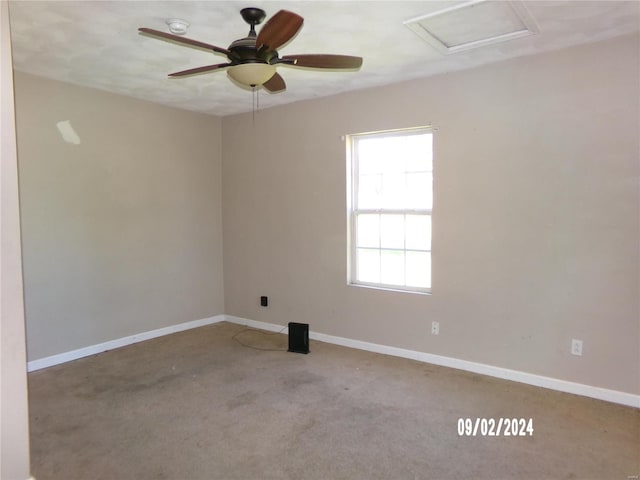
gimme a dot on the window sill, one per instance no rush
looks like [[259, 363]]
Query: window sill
[[390, 289]]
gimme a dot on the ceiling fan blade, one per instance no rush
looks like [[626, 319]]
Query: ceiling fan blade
[[206, 68], [275, 84], [323, 61], [184, 40], [279, 29]]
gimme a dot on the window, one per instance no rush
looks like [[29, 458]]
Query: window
[[391, 199]]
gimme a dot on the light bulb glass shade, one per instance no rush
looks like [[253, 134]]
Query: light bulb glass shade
[[252, 73]]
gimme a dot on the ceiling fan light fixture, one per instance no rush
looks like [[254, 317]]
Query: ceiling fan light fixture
[[177, 26], [252, 74]]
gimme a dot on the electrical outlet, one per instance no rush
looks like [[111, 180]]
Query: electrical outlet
[[435, 328], [576, 347]]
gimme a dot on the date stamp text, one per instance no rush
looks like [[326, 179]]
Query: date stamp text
[[495, 427]]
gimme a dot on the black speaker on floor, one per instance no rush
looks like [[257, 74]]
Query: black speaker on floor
[[298, 337]]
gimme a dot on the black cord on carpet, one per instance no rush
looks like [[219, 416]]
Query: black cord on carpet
[[235, 337]]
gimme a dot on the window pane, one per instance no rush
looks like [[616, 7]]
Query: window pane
[[375, 155], [419, 190], [368, 231], [370, 191], [419, 269], [418, 232], [419, 153], [394, 161], [392, 231], [369, 158], [368, 265], [394, 190], [392, 267]]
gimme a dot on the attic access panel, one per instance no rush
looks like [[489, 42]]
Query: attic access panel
[[474, 24]]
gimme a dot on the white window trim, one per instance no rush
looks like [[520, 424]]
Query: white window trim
[[352, 189]]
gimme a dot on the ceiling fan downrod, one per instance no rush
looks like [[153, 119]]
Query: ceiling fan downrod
[[253, 16]]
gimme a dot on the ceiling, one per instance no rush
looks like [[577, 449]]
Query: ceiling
[[97, 44]]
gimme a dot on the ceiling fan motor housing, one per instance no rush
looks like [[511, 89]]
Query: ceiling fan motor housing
[[244, 51]]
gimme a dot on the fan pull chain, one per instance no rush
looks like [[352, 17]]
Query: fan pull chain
[[253, 104], [255, 97]]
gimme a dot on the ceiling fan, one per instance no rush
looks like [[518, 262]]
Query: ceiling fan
[[253, 59]]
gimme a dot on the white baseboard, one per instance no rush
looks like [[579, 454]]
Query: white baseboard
[[613, 396], [117, 343], [270, 327]]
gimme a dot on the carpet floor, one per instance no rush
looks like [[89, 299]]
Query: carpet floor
[[199, 405]]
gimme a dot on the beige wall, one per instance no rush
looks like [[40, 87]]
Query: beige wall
[[14, 438], [536, 217], [122, 233]]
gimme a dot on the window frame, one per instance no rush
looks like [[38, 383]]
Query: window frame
[[353, 177]]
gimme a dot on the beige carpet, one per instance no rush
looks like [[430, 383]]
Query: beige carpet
[[198, 405]]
